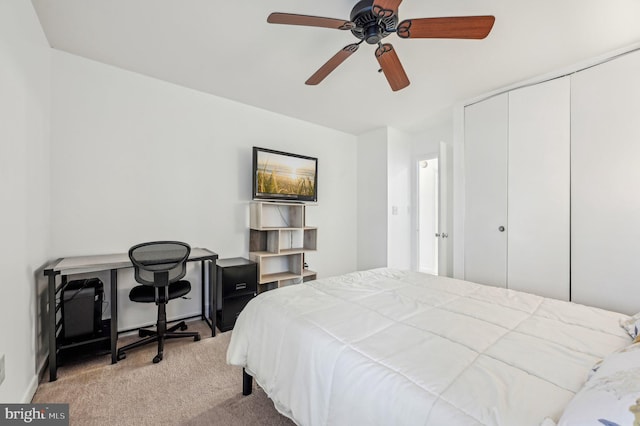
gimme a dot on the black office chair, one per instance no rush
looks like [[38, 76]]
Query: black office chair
[[159, 266]]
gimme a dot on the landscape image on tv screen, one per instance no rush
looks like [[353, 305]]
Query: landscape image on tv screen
[[285, 176]]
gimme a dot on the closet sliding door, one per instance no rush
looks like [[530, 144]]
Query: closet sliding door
[[605, 185], [517, 190], [485, 155], [539, 189]]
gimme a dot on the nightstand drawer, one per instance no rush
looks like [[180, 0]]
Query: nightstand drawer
[[238, 277], [237, 282], [241, 286]]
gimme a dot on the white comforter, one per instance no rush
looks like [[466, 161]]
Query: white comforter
[[388, 347]]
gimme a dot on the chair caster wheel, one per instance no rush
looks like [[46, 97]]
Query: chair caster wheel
[[121, 356], [157, 359], [183, 327], [196, 338]]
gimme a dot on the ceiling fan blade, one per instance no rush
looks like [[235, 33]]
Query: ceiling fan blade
[[468, 27], [332, 64], [391, 66], [309, 21], [385, 8]]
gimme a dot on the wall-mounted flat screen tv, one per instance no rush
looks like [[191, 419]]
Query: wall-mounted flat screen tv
[[283, 176]]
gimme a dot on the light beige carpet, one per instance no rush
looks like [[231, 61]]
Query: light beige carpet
[[193, 385]]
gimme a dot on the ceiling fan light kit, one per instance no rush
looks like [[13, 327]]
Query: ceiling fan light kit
[[373, 20]]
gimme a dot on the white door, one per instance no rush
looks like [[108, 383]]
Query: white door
[[605, 185], [434, 213], [428, 215], [539, 189], [485, 166]]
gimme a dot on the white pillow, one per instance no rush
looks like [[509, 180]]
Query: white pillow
[[611, 397], [631, 325]]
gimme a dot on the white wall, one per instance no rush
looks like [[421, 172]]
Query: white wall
[[372, 199], [384, 199], [24, 172], [136, 159], [399, 207], [427, 141]]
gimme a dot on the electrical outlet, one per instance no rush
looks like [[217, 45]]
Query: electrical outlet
[[1, 368]]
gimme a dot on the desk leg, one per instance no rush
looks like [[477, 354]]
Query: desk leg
[[212, 296], [53, 347], [202, 281], [114, 316]]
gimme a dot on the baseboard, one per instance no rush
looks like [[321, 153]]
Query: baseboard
[[31, 390]]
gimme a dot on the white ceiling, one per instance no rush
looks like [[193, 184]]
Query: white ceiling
[[227, 48]]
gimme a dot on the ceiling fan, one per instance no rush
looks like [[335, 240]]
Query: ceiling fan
[[373, 20]]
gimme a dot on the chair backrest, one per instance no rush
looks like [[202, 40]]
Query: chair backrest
[[159, 263]]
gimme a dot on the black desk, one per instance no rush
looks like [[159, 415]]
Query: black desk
[[112, 262]]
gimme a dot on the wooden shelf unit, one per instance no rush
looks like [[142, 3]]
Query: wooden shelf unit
[[278, 241]]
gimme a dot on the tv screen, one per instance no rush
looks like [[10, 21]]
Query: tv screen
[[284, 176]]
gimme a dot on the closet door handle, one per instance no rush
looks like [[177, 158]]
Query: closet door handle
[[501, 228], [437, 235]]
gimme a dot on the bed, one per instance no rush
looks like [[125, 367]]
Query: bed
[[392, 347]]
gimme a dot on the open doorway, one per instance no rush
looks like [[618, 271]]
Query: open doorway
[[428, 212]]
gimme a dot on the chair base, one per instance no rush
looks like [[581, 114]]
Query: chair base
[[153, 336]]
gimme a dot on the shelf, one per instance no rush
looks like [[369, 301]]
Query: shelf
[[308, 273], [267, 286], [279, 228], [296, 251], [276, 228], [278, 241], [283, 240], [281, 253], [263, 254], [103, 336], [281, 276], [276, 215]]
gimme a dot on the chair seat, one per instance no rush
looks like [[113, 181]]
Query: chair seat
[[147, 294]]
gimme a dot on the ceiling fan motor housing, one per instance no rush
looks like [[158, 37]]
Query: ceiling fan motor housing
[[369, 27]]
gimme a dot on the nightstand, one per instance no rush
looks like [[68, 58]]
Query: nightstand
[[237, 283]]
